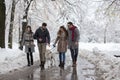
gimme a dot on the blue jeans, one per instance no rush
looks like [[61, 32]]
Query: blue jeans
[[62, 57], [74, 54]]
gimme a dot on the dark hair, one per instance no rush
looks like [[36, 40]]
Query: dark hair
[[70, 23], [44, 24], [66, 32], [30, 28]]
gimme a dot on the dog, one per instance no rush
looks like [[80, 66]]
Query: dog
[[50, 58]]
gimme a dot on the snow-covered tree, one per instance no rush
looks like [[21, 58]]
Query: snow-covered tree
[[2, 23]]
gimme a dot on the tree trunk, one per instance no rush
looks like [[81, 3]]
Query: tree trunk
[[105, 34], [11, 25], [2, 23], [25, 22]]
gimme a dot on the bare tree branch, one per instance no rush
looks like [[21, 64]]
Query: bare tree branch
[[107, 9], [17, 2]]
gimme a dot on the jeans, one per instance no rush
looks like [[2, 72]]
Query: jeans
[[74, 54], [62, 57], [30, 57]]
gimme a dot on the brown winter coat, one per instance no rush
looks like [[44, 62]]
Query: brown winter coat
[[62, 42], [28, 41]]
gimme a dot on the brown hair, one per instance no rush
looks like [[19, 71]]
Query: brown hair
[[30, 28], [66, 32], [44, 24]]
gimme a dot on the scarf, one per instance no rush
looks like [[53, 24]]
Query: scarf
[[73, 32]]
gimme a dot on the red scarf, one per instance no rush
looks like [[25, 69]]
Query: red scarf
[[73, 32]]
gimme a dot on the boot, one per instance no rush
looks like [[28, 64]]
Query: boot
[[31, 55], [31, 62], [28, 65], [60, 64], [28, 59], [74, 64], [42, 64]]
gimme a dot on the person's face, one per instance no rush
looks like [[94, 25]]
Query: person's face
[[61, 29], [69, 26], [44, 27], [28, 29]]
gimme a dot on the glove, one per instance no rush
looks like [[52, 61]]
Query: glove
[[21, 47], [54, 45]]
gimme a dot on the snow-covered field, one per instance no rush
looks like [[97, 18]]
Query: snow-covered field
[[99, 54]]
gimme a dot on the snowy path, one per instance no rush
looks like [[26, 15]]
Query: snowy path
[[83, 71], [106, 66]]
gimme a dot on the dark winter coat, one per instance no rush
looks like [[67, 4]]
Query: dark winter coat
[[28, 41], [62, 42], [43, 34], [71, 43]]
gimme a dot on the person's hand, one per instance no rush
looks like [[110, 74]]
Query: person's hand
[[40, 39], [48, 44], [54, 45], [21, 47], [76, 43]]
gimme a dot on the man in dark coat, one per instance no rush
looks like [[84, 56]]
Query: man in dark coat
[[42, 35], [73, 41]]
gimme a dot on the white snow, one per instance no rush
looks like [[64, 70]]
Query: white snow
[[13, 59], [100, 55], [88, 15]]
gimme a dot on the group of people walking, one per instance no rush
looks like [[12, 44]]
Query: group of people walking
[[66, 38]]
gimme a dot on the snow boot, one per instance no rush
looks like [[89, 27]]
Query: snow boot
[[42, 64], [60, 64], [31, 61], [28, 59], [28, 63], [74, 64], [31, 55]]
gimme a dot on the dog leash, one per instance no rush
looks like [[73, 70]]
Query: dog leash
[[52, 48]]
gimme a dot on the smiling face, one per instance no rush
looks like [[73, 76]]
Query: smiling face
[[69, 26], [43, 27], [61, 29], [28, 29]]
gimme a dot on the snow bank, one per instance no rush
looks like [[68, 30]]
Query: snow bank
[[13, 59], [107, 65]]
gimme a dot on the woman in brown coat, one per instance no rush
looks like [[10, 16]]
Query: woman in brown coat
[[62, 44]]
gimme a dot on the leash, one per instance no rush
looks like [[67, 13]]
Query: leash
[[52, 45], [52, 48]]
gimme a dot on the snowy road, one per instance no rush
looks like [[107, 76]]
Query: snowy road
[[83, 71]]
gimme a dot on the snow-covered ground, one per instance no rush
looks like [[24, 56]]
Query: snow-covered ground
[[12, 59], [99, 54], [102, 56]]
